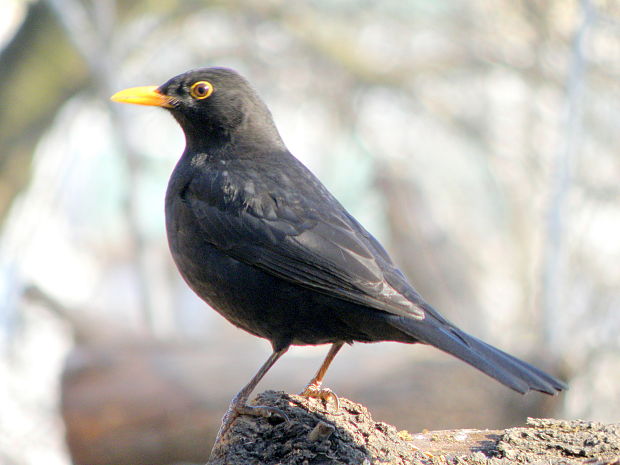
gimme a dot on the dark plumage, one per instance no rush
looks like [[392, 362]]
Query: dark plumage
[[257, 236]]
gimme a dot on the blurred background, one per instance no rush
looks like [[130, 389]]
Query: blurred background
[[477, 140]]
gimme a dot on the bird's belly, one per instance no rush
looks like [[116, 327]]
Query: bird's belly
[[263, 304]]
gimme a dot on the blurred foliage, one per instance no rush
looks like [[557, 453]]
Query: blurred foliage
[[39, 70]]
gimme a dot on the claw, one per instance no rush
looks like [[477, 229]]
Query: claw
[[313, 389], [325, 394], [262, 411], [254, 410], [238, 405]]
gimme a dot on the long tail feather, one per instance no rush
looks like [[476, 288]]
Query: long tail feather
[[508, 370]]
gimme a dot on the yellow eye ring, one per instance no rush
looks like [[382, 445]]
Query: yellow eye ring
[[201, 90]]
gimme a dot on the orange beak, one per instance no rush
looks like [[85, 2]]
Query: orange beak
[[146, 95]]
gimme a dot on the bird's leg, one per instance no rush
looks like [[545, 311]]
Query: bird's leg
[[313, 389], [238, 404]]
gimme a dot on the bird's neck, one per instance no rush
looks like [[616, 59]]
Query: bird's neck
[[247, 137]]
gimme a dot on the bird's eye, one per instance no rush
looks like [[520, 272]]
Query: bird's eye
[[201, 89]]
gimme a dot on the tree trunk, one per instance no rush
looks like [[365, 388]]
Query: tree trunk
[[317, 434]]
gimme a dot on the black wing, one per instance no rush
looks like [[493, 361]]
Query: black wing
[[303, 236]]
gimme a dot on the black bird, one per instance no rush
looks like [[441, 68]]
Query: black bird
[[258, 237]]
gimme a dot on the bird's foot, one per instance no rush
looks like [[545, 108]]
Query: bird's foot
[[325, 394], [234, 410], [262, 411]]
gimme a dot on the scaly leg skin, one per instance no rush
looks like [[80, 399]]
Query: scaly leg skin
[[313, 389], [238, 406]]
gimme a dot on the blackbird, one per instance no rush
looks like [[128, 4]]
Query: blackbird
[[258, 237]]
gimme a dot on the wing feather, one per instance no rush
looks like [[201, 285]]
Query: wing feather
[[315, 246]]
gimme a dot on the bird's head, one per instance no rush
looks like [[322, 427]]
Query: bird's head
[[214, 106]]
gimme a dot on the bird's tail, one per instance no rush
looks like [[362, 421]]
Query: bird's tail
[[508, 370]]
